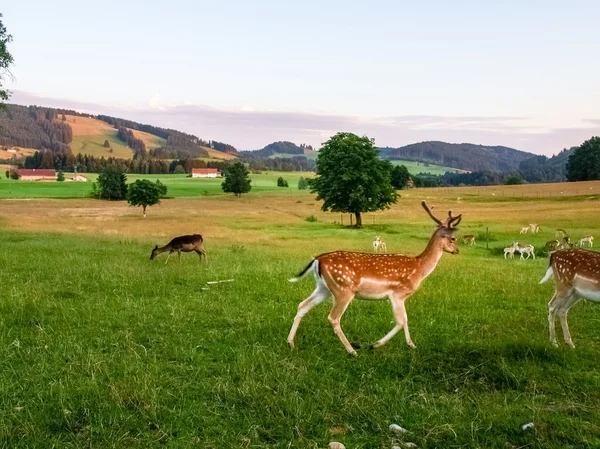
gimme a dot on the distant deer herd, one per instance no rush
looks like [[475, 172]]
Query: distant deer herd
[[344, 275]]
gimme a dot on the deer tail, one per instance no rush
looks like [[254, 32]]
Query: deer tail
[[313, 264], [549, 272]]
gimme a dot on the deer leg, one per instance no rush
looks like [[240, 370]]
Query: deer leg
[[320, 294], [340, 304], [562, 315], [179, 255], [401, 323], [170, 252], [200, 254], [552, 320]]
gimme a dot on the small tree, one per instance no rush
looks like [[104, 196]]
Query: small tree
[[514, 179], [60, 176], [282, 182], [237, 179], [400, 177], [302, 183], [7, 173], [112, 183], [13, 174], [179, 170], [64, 118], [106, 143], [351, 177], [144, 192]]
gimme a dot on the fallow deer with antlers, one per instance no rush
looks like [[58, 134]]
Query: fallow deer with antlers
[[344, 275], [185, 244], [576, 275]]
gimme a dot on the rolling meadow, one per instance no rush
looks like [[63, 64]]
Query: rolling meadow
[[102, 347]]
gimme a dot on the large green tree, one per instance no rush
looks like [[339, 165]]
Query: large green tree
[[237, 179], [351, 177], [112, 184], [584, 163], [144, 192], [400, 177], [6, 60]]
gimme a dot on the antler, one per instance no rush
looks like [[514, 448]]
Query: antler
[[451, 222], [424, 204]]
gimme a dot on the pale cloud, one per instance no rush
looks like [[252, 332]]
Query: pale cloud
[[249, 128]]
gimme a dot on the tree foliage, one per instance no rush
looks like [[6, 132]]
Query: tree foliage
[[60, 175], [112, 183], [302, 183], [282, 182], [584, 162], [6, 60], [106, 143], [237, 179], [514, 179], [144, 192], [351, 177], [400, 177]]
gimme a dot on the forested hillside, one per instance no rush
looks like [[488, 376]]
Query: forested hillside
[[465, 156], [281, 147]]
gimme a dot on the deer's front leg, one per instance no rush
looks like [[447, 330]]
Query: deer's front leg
[[401, 322]]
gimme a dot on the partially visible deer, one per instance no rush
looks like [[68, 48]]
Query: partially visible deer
[[345, 274], [576, 275], [560, 234], [185, 244], [534, 228], [524, 230], [469, 239], [587, 239]]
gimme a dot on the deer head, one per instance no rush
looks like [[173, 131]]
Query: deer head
[[445, 230], [154, 253]]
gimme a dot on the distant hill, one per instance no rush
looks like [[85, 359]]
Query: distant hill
[[464, 156], [68, 131], [543, 169], [284, 149]]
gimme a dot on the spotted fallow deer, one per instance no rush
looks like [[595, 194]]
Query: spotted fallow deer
[[468, 239], [576, 275], [344, 275], [185, 244]]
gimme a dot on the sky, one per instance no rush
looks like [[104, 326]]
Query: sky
[[523, 74]]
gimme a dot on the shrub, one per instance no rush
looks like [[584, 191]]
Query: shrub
[[311, 219]]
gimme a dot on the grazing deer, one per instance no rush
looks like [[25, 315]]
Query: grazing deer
[[469, 239], [566, 243], [185, 243], [524, 230], [552, 246], [576, 275], [346, 274], [560, 234], [510, 250], [379, 245], [587, 239], [534, 227], [527, 249]]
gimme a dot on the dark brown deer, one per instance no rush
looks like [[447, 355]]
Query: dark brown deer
[[185, 244], [346, 274]]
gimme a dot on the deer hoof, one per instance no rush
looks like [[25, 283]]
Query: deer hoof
[[412, 345], [291, 343], [554, 343], [570, 344], [353, 353]]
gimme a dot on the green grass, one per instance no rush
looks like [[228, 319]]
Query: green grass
[[415, 168], [94, 145], [178, 185], [101, 347]]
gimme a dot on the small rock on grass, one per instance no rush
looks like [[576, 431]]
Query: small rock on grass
[[410, 445], [336, 445], [396, 428], [529, 425]]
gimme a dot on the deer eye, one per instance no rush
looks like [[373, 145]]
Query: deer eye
[[452, 238]]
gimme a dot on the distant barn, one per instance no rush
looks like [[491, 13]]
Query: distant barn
[[36, 174], [205, 173]]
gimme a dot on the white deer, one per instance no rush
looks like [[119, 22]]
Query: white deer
[[587, 239], [527, 249], [524, 230], [379, 245], [534, 227], [510, 250]]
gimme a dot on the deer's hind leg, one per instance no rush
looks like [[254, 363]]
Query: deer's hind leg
[[320, 294]]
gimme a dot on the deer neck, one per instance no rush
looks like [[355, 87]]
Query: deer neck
[[163, 249], [430, 257]]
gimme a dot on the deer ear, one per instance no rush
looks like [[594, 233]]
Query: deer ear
[[156, 247]]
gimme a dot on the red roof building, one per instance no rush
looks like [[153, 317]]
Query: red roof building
[[205, 173], [36, 174]]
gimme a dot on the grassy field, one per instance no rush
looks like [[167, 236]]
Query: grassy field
[[418, 167], [101, 347], [178, 185]]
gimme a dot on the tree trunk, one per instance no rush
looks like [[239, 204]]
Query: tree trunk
[[144, 206], [358, 219]]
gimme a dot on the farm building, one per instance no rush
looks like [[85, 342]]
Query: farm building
[[205, 173], [36, 174]]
